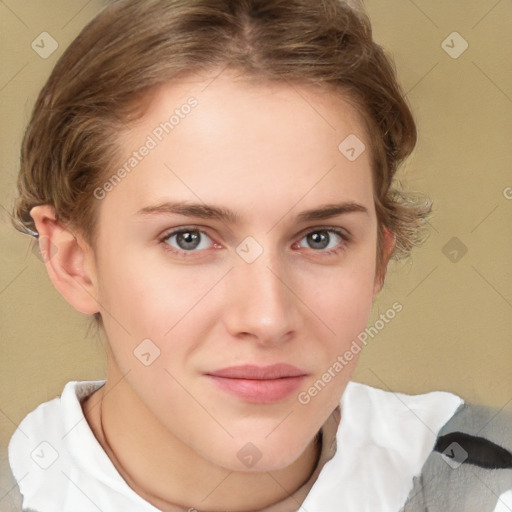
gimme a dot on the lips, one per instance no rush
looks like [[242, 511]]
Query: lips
[[275, 371], [259, 384]]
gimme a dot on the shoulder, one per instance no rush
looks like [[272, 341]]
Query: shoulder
[[39, 449], [52, 418], [470, 468], [382, 442]]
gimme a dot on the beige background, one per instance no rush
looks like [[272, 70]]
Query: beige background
[[454, 331]]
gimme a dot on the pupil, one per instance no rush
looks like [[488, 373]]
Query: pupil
[[188, 239], [319, 240]]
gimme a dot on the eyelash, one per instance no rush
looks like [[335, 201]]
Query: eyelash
[[343, 234]]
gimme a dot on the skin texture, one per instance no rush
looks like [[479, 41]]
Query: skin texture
[[268, 152]]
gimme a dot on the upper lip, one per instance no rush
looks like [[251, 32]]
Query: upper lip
[[254, 372]]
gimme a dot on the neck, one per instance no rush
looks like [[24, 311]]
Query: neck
[[165, 472]]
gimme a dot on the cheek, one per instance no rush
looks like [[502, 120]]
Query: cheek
[[346, 313], [146, 294], [344, 309], [159, 302], [343, 298]]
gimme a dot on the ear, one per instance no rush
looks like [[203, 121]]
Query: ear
[[69, 260], [388, 244]]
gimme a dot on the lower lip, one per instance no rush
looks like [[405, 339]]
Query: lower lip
[[259, 391]]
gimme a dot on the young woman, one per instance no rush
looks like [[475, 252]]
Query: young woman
[[212, 180]]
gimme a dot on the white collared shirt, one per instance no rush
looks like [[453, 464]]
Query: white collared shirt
[[383, 440]]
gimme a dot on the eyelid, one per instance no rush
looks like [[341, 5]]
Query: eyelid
[[344, 233], [180, 229]]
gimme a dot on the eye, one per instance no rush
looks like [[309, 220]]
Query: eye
[[186, 240], [326, 240]]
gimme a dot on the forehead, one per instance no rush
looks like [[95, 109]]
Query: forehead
[[223, 139]]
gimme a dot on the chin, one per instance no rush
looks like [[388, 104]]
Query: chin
[[260, 454]]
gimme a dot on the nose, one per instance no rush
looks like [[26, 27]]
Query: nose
[[260, 301]]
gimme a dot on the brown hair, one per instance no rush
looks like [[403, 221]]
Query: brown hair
[[101, 82]]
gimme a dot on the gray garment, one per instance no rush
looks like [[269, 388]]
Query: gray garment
[[453, 479], [10, 497]]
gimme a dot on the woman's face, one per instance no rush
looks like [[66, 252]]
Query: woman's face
[[275, 264]]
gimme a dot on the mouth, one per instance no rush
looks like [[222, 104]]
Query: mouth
[[259, 384]]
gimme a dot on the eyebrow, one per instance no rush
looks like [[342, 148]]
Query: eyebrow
[[205, 211]]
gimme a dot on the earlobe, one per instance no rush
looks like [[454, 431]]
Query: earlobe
[[68, 260], [388, 244]]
